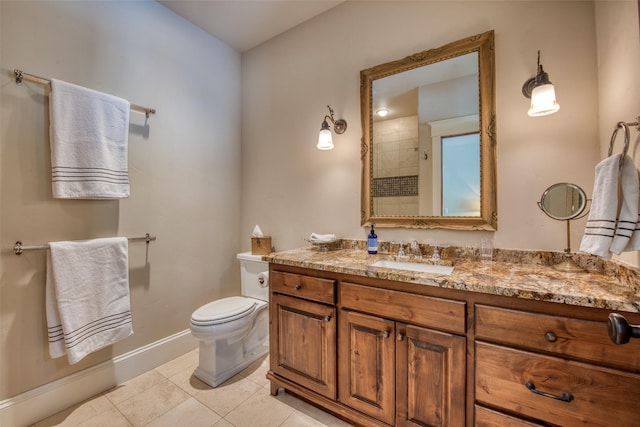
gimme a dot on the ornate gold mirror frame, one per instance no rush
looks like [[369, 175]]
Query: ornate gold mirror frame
[[483, 44]]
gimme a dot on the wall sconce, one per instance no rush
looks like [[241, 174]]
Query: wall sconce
[[325, 141], [541, 92]]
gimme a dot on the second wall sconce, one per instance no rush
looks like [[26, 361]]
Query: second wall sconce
[[325, 140], [541, 92]]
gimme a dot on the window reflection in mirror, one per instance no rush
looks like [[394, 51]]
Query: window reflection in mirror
[[461, 175]]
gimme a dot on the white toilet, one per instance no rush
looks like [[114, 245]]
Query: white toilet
[[234, 331]]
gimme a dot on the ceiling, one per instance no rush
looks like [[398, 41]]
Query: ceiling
[[244, 24]]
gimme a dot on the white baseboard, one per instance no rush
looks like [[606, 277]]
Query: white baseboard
[[34, 405]]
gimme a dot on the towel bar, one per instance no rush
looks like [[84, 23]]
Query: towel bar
[[20, 76], [18, 248]]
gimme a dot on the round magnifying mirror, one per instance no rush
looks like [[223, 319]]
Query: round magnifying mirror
[[563, 201]]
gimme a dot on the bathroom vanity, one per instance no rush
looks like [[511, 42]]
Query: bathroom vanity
[[511, 342]]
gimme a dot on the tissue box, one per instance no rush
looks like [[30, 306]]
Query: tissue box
[[261, 245]]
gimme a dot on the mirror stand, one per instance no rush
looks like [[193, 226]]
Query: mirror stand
[[569, 265], [564, 202]]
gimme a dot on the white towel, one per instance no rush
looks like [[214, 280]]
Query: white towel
[[634, 241], [628, 215], [89, 143], [87, 296], [601, 222], [614, 210], [322, 238]]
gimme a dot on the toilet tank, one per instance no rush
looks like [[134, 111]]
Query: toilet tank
[[250, 268]]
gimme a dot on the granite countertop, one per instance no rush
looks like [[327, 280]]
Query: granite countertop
[[510, 274]]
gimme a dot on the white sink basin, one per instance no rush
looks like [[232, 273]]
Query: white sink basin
[[414, 266]]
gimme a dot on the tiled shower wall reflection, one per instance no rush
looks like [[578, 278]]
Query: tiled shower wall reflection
[[395, 161]]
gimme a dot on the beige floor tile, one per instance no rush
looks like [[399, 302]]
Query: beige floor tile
[[188, 382], [189, 413], [322, 417], [111, 417], [298, 419], [149, 405], [223, 423], [186, 361], [228, 395], [260, 410], [78, 413], [257, 371], [134, 386]]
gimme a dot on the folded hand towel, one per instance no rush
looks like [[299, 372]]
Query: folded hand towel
[[601, 223], [629, 190], [89, 143], [322, 238], [87, 296], [634, 241]]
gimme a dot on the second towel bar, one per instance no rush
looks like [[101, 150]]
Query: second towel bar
[[18, 248]]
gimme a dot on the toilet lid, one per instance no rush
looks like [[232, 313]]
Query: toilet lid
[[223, 310]]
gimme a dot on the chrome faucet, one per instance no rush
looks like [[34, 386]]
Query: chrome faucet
[[415, 250], [401, 250], [436, 253]]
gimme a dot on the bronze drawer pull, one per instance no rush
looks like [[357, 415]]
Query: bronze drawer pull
[[620, 331], [400, 336], [298, 287], [386, 334], [566, 396], [551, 337], [327, 318]]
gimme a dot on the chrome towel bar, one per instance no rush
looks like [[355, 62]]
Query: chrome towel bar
[[20, 76], [18, 248]]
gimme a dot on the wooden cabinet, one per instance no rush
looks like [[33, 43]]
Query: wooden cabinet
[[402, 374], [430, 377], [558, 387], [399, 373], [384, 353], [303, 337], [366, 365]]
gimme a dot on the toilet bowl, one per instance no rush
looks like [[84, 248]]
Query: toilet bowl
[[234, 331]]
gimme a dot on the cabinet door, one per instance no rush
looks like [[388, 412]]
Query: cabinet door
[[303, 343], [431, 371], [367, 364]]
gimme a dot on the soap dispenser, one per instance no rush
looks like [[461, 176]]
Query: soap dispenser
[[372, 241]]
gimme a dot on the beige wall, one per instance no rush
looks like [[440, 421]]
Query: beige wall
[[184, 169], [186, 165], [618, 39], [292, 189]]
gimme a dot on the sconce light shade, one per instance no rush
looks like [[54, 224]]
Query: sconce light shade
[[325, 140], [542, 94], [543, 101]]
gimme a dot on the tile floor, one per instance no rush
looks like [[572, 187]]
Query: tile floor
[[170, 396]]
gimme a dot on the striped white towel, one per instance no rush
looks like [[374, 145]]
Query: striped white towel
[[614, 207], [89, 143], [87, 296], [628, 214], [601, 223]]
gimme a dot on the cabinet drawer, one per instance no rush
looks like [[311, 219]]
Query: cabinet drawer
[[564, 336], [301, 286], [437, 313], [532, 385], [489, 418]]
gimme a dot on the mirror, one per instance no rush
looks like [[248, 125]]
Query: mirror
[[564, 202], [430, 162]]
